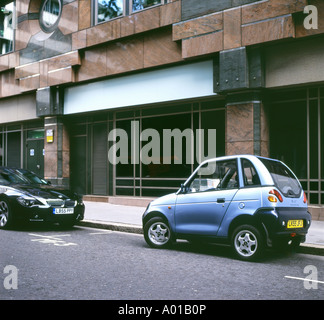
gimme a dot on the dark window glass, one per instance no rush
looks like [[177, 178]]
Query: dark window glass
[[143, 4], [283, 178], [109, 9]]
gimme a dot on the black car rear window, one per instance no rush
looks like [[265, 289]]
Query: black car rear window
[[283, 178]]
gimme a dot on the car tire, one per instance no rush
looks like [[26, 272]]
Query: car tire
[[157, 233], [6, 218], [247, 243]]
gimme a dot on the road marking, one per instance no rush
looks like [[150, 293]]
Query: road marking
[[304, 279], [56, 241]]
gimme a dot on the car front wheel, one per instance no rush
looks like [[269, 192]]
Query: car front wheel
[[5, 215], [157, 233], [247, 243]]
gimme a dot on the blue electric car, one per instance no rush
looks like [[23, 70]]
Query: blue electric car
[[246, 201]]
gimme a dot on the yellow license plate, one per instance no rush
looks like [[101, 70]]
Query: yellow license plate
[[295, 224]]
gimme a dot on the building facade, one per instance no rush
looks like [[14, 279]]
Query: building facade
[[74, 71]]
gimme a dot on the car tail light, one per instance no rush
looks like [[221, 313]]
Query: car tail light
[[274, 195], [305, 197]]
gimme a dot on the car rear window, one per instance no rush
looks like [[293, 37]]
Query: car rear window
[[283, 178]]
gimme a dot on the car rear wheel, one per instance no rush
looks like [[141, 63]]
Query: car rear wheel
[[5, 215], [157, 233], [247, 243]]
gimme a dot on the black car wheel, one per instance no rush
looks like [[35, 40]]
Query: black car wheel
[[5, 215], [157, 233], [247, 242]]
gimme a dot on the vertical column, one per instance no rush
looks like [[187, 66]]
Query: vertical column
[[246, 128], [57, 152]]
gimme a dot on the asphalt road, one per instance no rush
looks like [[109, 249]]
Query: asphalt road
[[94, 264]]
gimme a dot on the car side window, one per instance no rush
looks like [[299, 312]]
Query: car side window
[[250, 175], [220, 175]]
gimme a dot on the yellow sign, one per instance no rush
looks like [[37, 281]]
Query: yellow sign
[[49, 135]]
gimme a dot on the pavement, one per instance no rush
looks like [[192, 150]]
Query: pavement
[[129, 219]]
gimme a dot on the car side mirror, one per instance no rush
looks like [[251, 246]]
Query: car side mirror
[[183, 189]]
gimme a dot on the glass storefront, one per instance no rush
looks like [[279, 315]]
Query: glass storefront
[[22, 146], [297, 136], [156, 148]]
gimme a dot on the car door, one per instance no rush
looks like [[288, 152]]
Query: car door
[[202, 206]]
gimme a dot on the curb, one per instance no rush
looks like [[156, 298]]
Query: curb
[[310, 248], [122, 227], [307, 248]]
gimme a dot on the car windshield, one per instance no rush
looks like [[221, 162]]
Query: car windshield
[[31, 176], [19, 176], [283, 178]]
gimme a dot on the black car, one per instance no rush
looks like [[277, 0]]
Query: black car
[[25, 197]]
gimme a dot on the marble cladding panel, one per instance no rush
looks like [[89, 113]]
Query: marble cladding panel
[[202, 45], [244, 133], [34, 6], [50, 165], [63, 61], [142, 51], [239, 123], [147, 20], [25, 31], [27, 70], [40, 48], [232, 29], [159, 49], [127, 26], [60, 76], [93, 64], [79, 40], [22, 7], [126, 55], [4, 62], [8, 84], [69, 18], [29, 84], [84, 14], [9, 61], [103, 32], [170, 13], [199, 26], [270, 9], [43, 70], [239, 147], [268, 30], [13, 60], [66, 164], [239, 129]]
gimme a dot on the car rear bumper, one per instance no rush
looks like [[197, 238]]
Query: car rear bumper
[[279, 222]]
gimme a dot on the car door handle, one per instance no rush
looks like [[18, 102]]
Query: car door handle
[[221, 200]]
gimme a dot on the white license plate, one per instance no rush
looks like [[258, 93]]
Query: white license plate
[[63, 210]]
